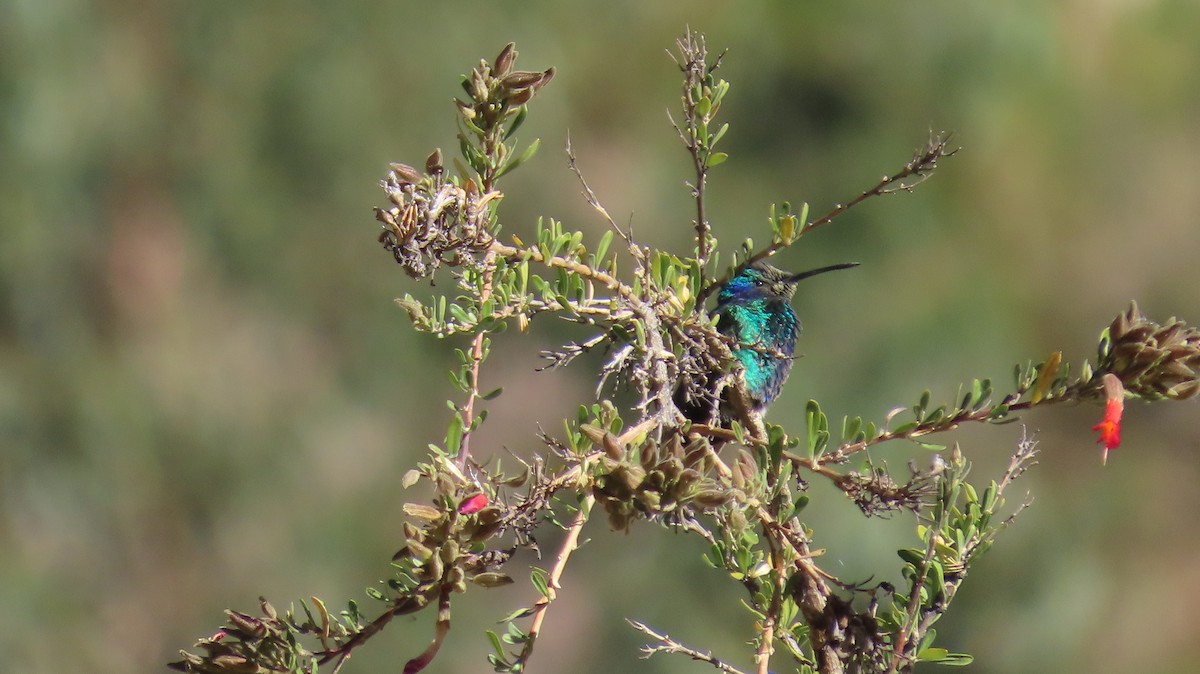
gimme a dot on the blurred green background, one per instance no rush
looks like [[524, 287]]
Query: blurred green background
[[207, 395]]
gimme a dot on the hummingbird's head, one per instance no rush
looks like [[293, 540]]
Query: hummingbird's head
[[763, 281]]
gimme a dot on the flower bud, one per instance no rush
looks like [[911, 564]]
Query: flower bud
[[433, 163], [405, 174], [505, 60]]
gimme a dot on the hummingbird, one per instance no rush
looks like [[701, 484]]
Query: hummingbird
[[755, 309]]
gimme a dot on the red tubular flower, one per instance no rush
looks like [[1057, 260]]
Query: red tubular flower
[[472, 504], [1110, 427]]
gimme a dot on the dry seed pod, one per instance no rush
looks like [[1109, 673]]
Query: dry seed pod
[[709, 499], [649, 455]]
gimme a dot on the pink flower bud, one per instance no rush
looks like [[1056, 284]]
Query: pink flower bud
[[472, 504]]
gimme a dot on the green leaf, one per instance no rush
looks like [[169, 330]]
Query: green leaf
[[937, 578], [525, 156], [988, 503], [912, 556], [459, 314], [718, 135], [956, 660], [927, 640], [717, 158], [738, 432], [458, 166], [493, 394], [515, 635], [970, 493], [775, 437], [475, 159], [715, 556], [850, 428], [869, 432], [454, 433], [933, 655], [981, 392], [923, 405], [517, 122], [308, 612], [818, 428], [496, 645], [602, 247], [471, 125], [541, 581], [1105, 346], [517, 615]]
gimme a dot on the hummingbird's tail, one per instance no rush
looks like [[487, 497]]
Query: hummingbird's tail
[[698, 402]]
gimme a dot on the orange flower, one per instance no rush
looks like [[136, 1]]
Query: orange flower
[[1110, 427]]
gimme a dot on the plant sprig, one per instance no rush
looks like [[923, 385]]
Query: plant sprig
[[646, 462]]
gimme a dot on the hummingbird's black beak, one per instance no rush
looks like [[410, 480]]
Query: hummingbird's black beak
[[795, 278]]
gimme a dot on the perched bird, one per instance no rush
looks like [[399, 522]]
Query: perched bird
[[754, 308]]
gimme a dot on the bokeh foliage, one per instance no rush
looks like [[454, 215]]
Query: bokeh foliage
[[200, 376]]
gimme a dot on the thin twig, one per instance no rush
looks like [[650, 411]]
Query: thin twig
[[401, 605], [341, 661], [910, 625], [493, 140], [922, 165], [594, 202], [915, 626], [669, 645], [557, 262], [569, 545], [844, 452], [693, 56], [811, 594], [658, 358], [766, 646], [468, 414], [440, 629]]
